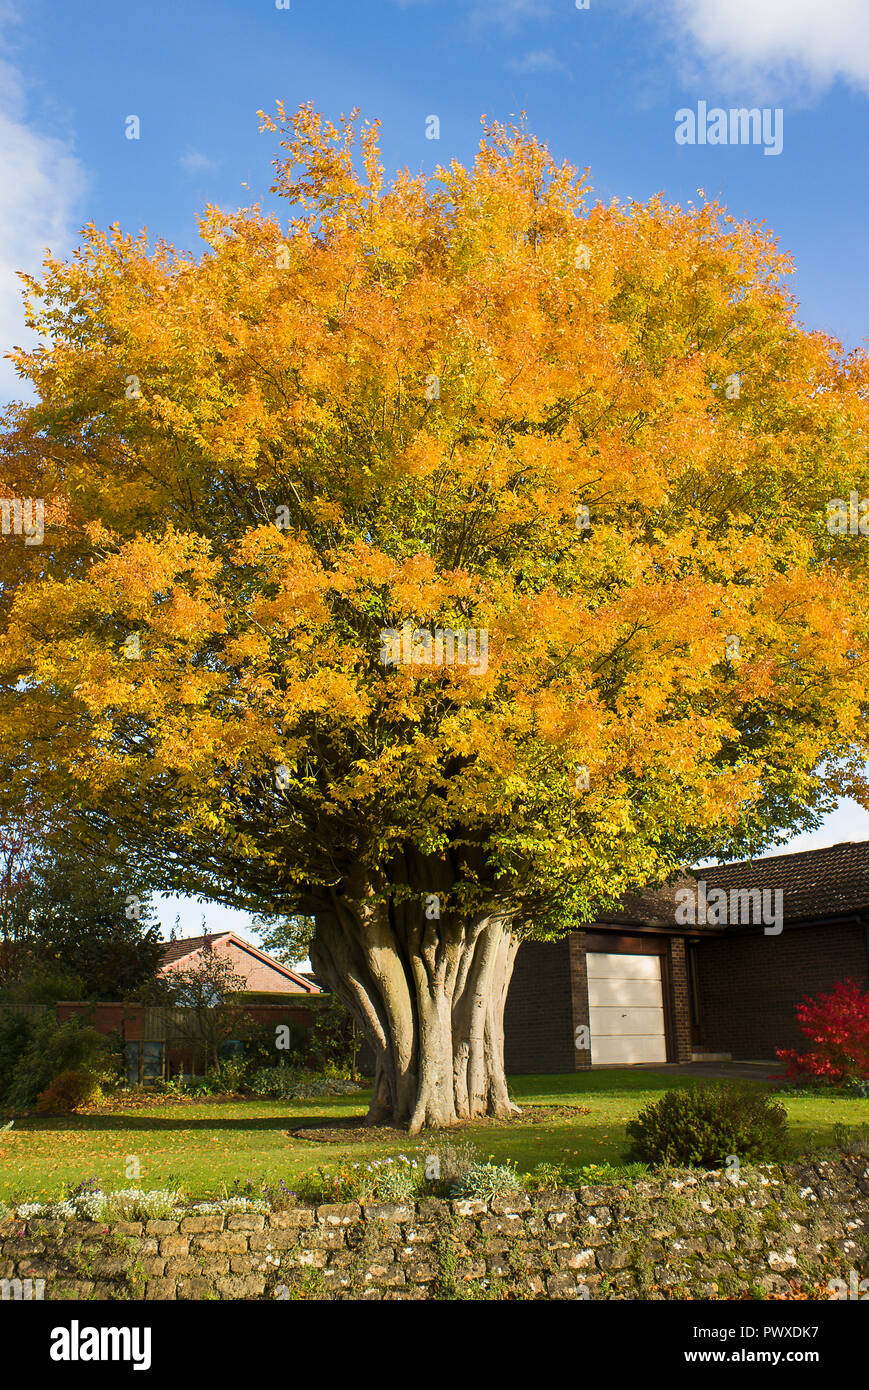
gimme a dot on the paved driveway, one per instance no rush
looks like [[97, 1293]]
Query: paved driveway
[[721, 1071]]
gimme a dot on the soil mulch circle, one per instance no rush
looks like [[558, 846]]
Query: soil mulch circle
[[350, 1131]]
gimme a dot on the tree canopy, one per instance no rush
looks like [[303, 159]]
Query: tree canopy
[[597, 436]]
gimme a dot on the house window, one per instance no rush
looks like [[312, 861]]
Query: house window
[[145, 1062]]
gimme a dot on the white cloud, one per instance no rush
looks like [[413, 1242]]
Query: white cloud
[[42, 183], [196, 163], [808, 43], [540, 60]]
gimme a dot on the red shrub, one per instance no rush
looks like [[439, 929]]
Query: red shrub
[[837, 1024]]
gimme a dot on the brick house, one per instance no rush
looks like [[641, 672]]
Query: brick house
[[262, 974], [156, 1040], [714, 965]]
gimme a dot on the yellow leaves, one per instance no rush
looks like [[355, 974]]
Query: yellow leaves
[[250, 647], [185, 617], [286, 487], [423, 458], [144, 568]]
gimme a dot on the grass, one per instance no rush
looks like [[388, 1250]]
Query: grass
[[203, 1145]]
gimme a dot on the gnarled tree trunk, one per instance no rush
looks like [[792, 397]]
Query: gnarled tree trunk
[[429, 995]]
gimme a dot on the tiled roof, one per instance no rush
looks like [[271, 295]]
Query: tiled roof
[[646, 906], [814, 883], [184, 946], [177, 950]]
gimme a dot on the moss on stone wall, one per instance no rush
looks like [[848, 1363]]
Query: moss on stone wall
[[773, 1233]]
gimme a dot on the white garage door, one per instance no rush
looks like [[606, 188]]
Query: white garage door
[[626, 1008]]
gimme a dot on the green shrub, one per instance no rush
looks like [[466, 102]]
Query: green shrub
[[851, 1141], [70, 1091], [328, 1046], [277, 1196], [544, 1175], [548, 1175], [397, 1183], [53, 1048], [15, 1034], [172, 1085], [320, 1185], [445, 1163], [291, 1083], [47, 981], [590, 1174], [229, 1081], [259, 1045], [701, 1126], [332, 1043], [233, 1078]]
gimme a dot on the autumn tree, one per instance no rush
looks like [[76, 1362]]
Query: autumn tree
[[593, 440], [205, 999]]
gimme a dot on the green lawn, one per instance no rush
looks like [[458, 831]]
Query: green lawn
[[202, 1145]]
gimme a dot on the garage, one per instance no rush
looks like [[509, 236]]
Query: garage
[[626, 1009]]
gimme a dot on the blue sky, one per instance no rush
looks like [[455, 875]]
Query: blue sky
[[601, 85]]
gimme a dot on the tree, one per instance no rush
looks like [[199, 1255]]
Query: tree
[[207, 992], [288, 939], [34, 1051], [18, 840], [591, 446], [75, 926]]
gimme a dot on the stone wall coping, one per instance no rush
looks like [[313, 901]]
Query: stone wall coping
[[341, 1214]]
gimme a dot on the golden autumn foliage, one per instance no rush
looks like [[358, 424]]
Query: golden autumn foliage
[[479, 401]]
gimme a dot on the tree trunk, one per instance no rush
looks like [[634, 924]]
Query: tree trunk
[[429, 996]]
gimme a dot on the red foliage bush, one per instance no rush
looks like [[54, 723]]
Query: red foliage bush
[[837, 1024]]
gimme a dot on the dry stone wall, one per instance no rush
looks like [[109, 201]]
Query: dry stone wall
[[775, 1232]]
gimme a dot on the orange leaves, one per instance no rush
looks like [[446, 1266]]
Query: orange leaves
[[392, 409]]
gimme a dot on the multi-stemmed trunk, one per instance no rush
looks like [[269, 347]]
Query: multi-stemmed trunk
[[429, 994]]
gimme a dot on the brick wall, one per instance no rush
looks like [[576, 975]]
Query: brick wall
[[749, 986], [106, 1018], [539, 1028], [137, 1021], [576, 948], [680, 1002], [773, 1232]]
